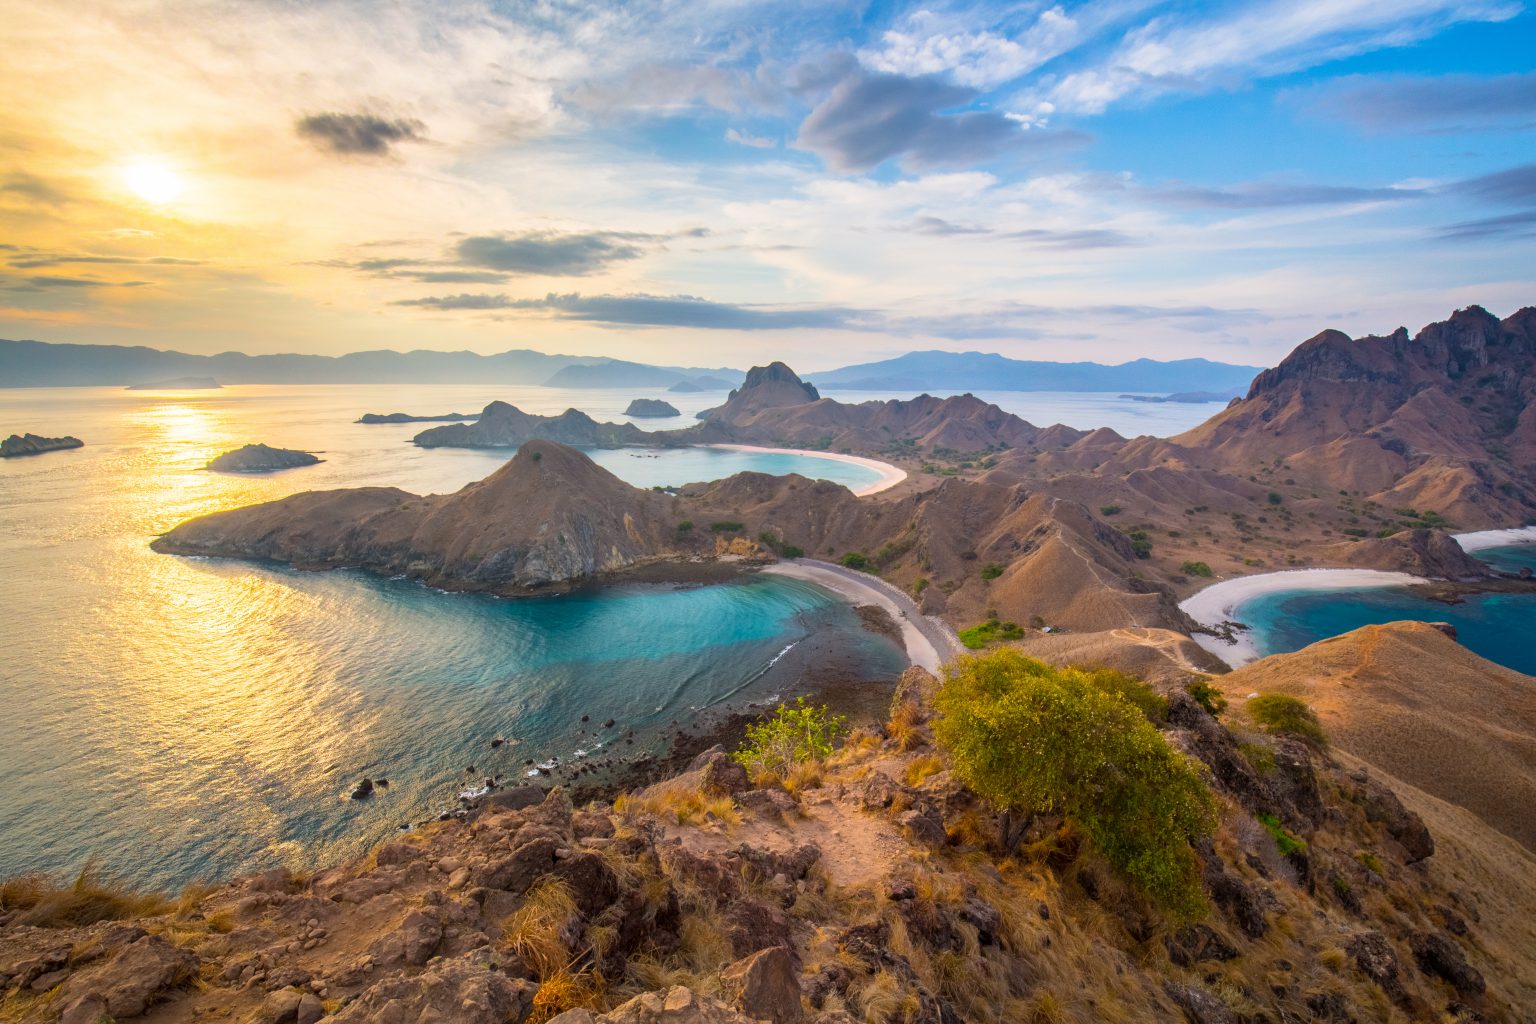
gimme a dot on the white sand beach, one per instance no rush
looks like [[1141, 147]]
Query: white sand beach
[[1483, 539], [890, 475], [1220, 602], [929, 642]]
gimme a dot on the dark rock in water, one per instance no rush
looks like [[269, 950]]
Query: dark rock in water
[[176, 384], [259, 458], [608, 724], [651, 407], [496, 743], [404, 417], [586, 718], [35, 444], [364, 790]]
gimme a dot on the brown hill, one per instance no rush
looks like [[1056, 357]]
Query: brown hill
[[1409, 700], [501, 425]]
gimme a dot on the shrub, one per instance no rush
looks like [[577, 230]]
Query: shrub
[[1132, 691], [791, 551], [1032, 738], [1140, 543], [685, 526], [992, 571], [1109, 510], [795, 733], [990, 632], [1275, 497], [1207, 696], [1282, 713], [1284, 841], [920, 584], [1197, 569], [854, 560], [726, 526]]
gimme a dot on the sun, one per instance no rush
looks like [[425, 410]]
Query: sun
[[153, 181]]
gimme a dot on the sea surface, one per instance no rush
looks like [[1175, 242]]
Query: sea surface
[[1496, 626], [184, 719]]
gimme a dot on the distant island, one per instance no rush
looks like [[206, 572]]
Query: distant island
[[615, 373], [260, 458], [1190, 397], [405, 417], [35, 444], [651, 408], [983, 371], [177, 384], [694, 385]]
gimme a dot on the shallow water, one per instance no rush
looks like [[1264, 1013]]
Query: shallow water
[[190, 718]]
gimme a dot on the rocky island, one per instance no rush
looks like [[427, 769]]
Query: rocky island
[[35, 444], [259, 458], [651, 407], [403, 417], [176, 384], [501, 425]]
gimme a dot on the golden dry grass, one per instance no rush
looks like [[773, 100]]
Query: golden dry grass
[[90, 898]]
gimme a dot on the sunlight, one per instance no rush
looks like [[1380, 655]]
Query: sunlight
[[153, 180]]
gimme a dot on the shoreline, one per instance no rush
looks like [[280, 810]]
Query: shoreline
[[1218, 603], [929, 643], [890, 475], [1481, 540]]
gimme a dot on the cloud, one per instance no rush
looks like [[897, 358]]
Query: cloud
[[50, 281], [929, 43], [452, 276], [1439, 103], [744, 139], [939, 227], [1517, 185], [54, 260], [1512, 225], [1258, 195], [871, 117], [550, 253], [34, 189], [654, 311], [358, 134], [1086, 238]]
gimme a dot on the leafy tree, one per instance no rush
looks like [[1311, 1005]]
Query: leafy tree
[[1197, 569], [1207, 696], [794, 733], [855, 560], [1032, 738]]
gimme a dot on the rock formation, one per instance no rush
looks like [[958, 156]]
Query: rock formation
[[651, 407], [505, 426], [402, 417], [35, 444], [259, 458]]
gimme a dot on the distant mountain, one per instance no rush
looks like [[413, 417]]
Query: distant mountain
[[616, 373], [694, 385], [1190, 397], [176, 384], [983, 371]]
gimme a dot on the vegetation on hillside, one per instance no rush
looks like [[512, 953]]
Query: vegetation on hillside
[[793, 734], [1282, 713]]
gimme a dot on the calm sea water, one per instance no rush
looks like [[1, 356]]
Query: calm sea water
[[1496, 626], [190, 718]]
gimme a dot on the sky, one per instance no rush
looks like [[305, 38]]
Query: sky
[[724, 182]]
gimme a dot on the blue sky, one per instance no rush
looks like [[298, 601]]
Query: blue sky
[[726, 181]]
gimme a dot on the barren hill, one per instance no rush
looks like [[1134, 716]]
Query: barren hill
[[501, 425], [1409, 700]]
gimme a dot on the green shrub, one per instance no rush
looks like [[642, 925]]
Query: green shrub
[[795, 733], [1207, 696], [1109, 510], [1131, 690], [686, 526], [1259, 756], [990, 632], [1032, 738], [1370, 862], [1140, 543], [725, 526], [920, 584], [791, 551], [1197, 569], [1284, 841], [1275, 497], [854, 560], [1282, 713], [992, 571]]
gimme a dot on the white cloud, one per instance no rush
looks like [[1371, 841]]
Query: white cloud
[[746, 139], [929, 44]]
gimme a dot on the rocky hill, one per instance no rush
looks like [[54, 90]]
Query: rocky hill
[[506, 426], [873, 886], [260, 458], [36, 444]]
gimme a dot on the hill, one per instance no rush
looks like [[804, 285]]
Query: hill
[[982, 371], [500, 425], [616, 373]]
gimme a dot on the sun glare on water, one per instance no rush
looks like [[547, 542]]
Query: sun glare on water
[[153, 181]]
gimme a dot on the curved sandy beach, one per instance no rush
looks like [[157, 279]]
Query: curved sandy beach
[[1482, 539], [890, 475], [929, 642], [1219, 602]]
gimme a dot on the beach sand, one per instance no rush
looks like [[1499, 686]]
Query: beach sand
[[1219, 602], [1495, 538], [890, 475], [929, 642]]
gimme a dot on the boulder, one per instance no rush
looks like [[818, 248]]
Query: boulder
[[1383, 806], [127, 983], [677, 1005], [1198, 942], [455, 990], [1442, 958], [1200, 1005], [1377, 960], [764, 986], [519, 869]]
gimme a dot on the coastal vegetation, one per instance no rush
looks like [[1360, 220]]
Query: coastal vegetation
[[794, 734], [990, 632], [1283, 714]]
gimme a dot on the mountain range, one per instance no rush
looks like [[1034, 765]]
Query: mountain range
[[42, 364]]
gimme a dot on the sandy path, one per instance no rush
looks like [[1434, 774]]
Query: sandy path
[[929, 642], [1219, 602], [890, 475]]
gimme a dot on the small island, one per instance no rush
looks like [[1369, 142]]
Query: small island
[[176, 384], [35, 444], [693, 385], [1189, 397], [653, 408], [260, 458], [405, 417]]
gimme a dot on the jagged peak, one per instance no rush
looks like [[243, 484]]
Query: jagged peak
[[776, 373]]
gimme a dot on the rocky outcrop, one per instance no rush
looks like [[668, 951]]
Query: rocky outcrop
[[651, 407], [501, 425], [259, 458], [1423, 552], [404, 417], [36, 444]]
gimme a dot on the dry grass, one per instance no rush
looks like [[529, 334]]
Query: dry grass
[[540, 930], [906, 726], [684, 806], [567, 990], [920, 768], [803, 776], [90, 898], [885, 1000], [859, 745]]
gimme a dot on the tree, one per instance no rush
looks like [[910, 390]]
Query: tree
[[1030, 738], [796, 732]]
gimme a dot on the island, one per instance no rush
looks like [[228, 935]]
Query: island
[[35, 444], [693, 385], [653, 408], [260, 458], [1189, 397], [405, 417], [176, 384]]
